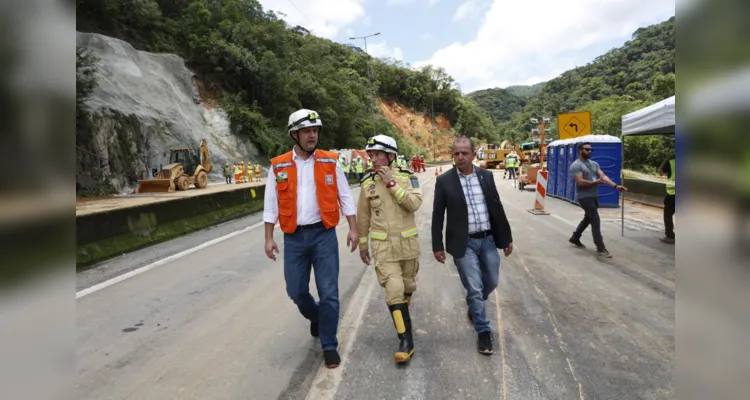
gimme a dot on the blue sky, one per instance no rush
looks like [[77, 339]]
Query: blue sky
[[481, 43]]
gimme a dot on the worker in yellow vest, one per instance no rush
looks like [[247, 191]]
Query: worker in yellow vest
[[360, 168], [257, 172], [313, 179], [668, 168], [249, 171], [237, 173]]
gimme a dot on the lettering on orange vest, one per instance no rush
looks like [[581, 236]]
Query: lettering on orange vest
[[326, 188]]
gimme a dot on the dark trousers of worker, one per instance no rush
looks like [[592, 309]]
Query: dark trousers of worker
[[314, 248], [479, 270], [590, 207], [669, 208]]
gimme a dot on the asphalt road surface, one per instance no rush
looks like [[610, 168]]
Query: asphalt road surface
[[206, 316]]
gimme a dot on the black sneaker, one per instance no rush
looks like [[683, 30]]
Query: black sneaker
[[577, 243], [484, 343], [332, 358], [314, 329]]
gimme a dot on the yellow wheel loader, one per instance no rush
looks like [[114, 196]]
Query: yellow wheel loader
[[186, 167]]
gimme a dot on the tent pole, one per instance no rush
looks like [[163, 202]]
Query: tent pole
[[622, 182]]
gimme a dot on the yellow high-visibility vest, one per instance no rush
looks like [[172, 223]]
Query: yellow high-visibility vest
[[672, 175]]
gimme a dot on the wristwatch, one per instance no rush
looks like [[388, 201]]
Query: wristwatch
[[391, 184]]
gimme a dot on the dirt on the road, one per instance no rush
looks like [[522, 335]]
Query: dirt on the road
[[91, 205]]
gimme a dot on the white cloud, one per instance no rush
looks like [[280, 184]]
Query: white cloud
[[464, 10], [382, 50], [324, 18], [538, 39]]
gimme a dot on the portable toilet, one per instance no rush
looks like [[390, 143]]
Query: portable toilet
[[607, 152], [551, 168], [561, 171], [571, 154]]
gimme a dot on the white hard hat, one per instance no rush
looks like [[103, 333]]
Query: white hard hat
[[383, 143], [303, 118]]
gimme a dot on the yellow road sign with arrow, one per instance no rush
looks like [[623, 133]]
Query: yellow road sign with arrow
[[572, 125]]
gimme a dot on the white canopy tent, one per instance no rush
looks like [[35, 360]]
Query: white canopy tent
[[656, 119]]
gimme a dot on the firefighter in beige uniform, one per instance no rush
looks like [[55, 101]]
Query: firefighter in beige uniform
[[385, 215]]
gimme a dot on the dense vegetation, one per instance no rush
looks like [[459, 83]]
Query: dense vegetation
[[624, 79], [261, 70], [264, 69]]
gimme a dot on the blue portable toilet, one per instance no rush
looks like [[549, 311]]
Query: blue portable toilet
[[607, 151], [551, 168], [561, 170], [571, 154]]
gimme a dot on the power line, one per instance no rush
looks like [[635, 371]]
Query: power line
[[300, 11]]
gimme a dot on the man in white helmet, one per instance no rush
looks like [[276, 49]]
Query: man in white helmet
[[306, 191], [385, 214]]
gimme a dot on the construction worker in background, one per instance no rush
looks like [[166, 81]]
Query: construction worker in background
[[513, 166], [360, 168], [237, 173], [508, 166], [385, 214], [344, 166], [668, 168], [249, 171], [353, 169], [244, 171], [258, 172], [421, 161], [369, 163], [306, 192], [228, 173]]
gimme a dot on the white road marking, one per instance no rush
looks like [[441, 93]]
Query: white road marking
[[564, 220], [146, 268], [326, 382], [120, 278]]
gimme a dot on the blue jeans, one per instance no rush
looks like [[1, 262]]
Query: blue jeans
[[318, 248], [479, 270]]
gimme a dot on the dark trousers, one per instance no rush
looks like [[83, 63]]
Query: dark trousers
[[314, 248], [669, 208], [590, 207]]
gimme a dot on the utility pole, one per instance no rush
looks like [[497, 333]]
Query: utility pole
[[432, 112], [541, 122], [369, 78]]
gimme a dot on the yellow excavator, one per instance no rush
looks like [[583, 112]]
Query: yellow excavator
[[186, 167], [494, 155]]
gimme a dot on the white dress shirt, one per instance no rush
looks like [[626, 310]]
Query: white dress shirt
[[308, 211]]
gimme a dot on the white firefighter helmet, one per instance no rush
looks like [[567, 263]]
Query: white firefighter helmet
[[304, 118], [383, 143]]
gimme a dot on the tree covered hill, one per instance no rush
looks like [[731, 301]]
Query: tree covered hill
[[262, 70], [624, 79]]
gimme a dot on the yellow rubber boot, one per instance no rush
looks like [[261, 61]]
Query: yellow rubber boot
[[402, 322]]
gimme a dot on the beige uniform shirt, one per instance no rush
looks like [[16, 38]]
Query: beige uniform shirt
[[385, 216]]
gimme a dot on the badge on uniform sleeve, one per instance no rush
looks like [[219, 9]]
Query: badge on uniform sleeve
[[329, 179], [414, 182], [282, 177]]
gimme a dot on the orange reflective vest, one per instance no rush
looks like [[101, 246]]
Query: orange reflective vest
[[326, 188]]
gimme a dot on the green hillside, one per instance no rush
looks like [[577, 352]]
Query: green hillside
[[263, 70], [526, 91], [640, 72], [499, 103]]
